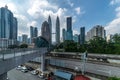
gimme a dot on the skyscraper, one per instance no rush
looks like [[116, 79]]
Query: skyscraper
[[57, 30], [45, 31], [82, 35], [63, 34], [69, 35], [8, 24], [33, 33], [50, 26], [98, 31], [76, 38], [25, 38]]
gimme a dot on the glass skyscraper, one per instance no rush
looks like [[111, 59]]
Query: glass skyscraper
[[57, 30], [69, 34], [82, 35], [50, 26], [8, 24]]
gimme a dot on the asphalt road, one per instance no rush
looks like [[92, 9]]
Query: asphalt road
[[89, 67], [18, 75]]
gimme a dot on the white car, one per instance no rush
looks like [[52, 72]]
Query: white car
[[19, 67]]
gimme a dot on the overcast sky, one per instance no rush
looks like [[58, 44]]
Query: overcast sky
[[86, 13]]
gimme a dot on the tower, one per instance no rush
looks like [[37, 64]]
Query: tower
[[57, 30], [50, 26]]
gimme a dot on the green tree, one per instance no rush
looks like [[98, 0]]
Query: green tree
[[113, 78], [23, 46]]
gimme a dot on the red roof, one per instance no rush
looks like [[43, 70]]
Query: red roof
[[81, 77]]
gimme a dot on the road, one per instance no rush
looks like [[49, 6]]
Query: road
[[18, 75], [89, 67]]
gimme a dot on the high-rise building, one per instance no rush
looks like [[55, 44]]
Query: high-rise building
[[63, 34], [45, 31], [76, 38], [8, 24], [25, 38], [33, 33], [69, 34], [50, 26], [15, 30], [98, 31], [57, 30], [82, 35]]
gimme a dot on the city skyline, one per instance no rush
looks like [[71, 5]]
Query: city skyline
[[106, 14]]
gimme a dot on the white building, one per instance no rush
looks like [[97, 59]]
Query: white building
[[98, 30]]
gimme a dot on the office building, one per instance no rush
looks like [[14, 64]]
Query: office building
[[57, 30], [50, 26], [82, 35], [33, 33], [25, 39], [63, 34], [8, 24], [98, 31], [69, 33], [109, 38], [45, 31], [76, 38]]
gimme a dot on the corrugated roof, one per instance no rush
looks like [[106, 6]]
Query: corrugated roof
[[63, 75], [81, 77]]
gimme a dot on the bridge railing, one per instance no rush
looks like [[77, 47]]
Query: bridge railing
[[9, 53]]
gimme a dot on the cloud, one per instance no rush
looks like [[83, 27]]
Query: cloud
[[114, 26], [113, 2], [78, 10], [117, 12], [70, 3]]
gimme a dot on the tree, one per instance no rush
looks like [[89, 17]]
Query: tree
[[23, 46]]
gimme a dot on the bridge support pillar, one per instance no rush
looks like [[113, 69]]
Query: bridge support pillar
[[42, 62], [3, 76]]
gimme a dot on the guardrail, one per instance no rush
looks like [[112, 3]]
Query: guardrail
[[9, 53]]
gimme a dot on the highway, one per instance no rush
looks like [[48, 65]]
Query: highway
[[99, 69]]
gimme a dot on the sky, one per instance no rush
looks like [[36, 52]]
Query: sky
[[87, 13]]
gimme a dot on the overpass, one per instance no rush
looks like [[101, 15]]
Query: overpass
[[9, 59]]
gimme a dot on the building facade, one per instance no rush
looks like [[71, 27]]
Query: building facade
[[33, 33], [69, 33], [76, 38], [50, 26], [25, 39], [45, 31], [8, 26], [63, 34], [57, 30], [98, 31], [82, 35]]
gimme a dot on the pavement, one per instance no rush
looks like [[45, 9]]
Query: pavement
[[18, 75]]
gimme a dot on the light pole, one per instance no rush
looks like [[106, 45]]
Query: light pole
[[84, 58]]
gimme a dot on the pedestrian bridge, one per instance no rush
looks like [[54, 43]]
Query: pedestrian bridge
[[9, 59]]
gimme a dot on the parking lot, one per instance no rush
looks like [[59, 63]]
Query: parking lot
[[18, 75]]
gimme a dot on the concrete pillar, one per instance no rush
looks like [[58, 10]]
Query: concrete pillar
[[42, 62], [3, 76]]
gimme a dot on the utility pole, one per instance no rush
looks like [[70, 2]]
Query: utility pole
[[84, 59]]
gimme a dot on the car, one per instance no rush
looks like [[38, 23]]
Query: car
[[34, 72], [41, 76], [18, 67], [24, 70]]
